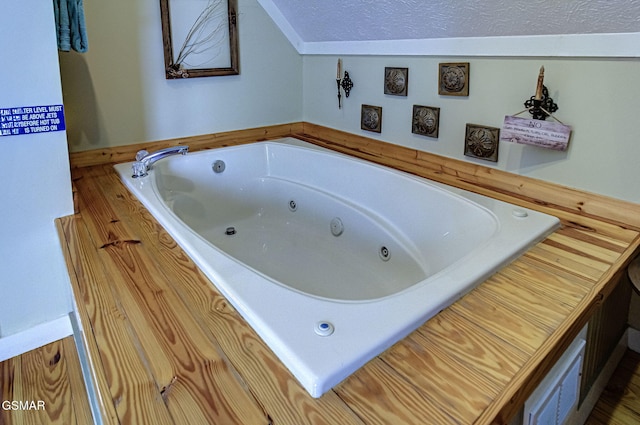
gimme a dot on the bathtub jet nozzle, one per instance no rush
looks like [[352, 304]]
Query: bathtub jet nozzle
[[384, 253], [336, 226], [218, 166]]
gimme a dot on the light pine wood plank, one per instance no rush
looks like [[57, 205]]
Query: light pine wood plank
[[600, 227], [596, 238], [200, 386], [44, 374], [542, 310], [616, 414], [10, 378], [132, 390], [524, 382], [127, 153], [458, 366], [486, 357], [76, 382], [46, 380], [195, 381], [620, 401], [242, 346], [595, 252], [10, 387], [502, 322], [74, 258], [570, 262], [566, 288], [380, 397], [385, 391]]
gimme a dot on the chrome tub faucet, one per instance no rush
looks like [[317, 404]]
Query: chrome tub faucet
[[144, 159]]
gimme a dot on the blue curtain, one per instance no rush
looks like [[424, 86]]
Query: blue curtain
[[70, 27]]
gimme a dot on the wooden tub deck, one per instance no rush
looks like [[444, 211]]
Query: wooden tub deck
[[167, 348]]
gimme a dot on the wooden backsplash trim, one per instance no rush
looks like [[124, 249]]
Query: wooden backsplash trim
[[545, 196], [127, 153], [542, 195]]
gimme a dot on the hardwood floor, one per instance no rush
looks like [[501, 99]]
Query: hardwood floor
[[44, 386], [49, 378], [619, 404]]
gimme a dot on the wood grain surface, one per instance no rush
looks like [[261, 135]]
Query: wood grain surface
[[167, 347], [48, 383], [620, 401]]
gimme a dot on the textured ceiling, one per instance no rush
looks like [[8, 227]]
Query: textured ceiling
[[358, 20]]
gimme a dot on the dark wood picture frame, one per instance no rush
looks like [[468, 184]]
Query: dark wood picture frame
[[482, 142], [453, 79], [396, 81], [371, 118], [214, 29], [425, 121]]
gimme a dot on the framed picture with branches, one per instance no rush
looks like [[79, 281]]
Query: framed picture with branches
[[200, 38]]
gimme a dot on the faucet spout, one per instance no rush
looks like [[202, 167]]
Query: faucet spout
[[145, 160]]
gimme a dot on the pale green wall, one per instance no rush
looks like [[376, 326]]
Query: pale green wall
[[34, 170], [598, 98], [117, 94]]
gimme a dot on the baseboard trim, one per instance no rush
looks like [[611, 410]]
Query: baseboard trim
[[125, 153], [35, 337]]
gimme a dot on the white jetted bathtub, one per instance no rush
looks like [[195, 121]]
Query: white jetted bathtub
[[331, 259]]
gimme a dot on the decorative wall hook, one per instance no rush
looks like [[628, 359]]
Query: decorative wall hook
[[338, 77], [345, 83], [540, 106]]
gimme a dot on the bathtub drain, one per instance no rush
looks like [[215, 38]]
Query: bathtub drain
[[230, 231], [292, 205]]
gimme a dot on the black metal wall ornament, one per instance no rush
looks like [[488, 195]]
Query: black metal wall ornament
[[347, 84], [540, 105], [343, 83], [536, 131]]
